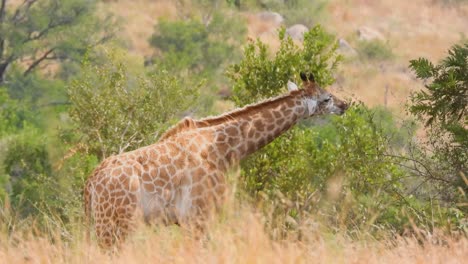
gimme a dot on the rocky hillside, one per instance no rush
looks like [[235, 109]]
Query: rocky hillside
[[377, 37]]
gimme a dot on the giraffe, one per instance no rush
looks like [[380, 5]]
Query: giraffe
[[181, 178]]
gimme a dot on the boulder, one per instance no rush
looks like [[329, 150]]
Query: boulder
[[271, 17], [368, 33], [296, 32], [345, 48]]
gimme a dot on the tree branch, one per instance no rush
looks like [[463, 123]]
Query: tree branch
[[38, 61], [25, 6], [2, 10], [2, 17]]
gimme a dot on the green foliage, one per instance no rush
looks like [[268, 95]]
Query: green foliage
[[444, 100], [374, 50], [260, 75], [27, 166], [116, 110], [36, 32], [442, 105], [338, 168], [10, 112], [344, 159], [195, 46]]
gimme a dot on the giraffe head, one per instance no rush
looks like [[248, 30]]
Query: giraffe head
[[316, 99]]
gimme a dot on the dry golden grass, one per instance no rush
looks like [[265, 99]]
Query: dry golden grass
[[238, 237]]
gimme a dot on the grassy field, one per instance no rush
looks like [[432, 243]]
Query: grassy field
[[411, 29], [237, 238]]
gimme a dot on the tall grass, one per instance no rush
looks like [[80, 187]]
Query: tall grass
[[236, 235]]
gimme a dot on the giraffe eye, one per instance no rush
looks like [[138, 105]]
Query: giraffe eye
[[327, 100]]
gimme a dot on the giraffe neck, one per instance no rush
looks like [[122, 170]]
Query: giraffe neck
[[244, 133]]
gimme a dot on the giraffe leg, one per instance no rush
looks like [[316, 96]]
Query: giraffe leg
[[113, 230]]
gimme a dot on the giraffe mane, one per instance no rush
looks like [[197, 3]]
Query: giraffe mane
[[188, 123]]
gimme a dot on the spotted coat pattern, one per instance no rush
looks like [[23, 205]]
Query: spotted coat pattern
[[181, 178]]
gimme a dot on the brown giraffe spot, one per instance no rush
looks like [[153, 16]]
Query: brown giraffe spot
[[277, 114], [267, 115], [251, 147], [164, 159], [146, 177], [154, 173], [163, 174], [231, 131], [198, 174], [128, 170], [159, 182], [251, 133], [223, 148], [173, 150], [259, 125], [180, 162], [234, 141], [193, 148], [171, 170], [221, 138], [197, 190], [117, 172], [149, 187], [287, 112]]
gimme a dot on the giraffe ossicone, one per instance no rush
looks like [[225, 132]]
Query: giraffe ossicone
[[181, 178]]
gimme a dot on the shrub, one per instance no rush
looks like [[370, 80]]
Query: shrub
[[198, 47], [339, 168], [115, 109], [442, 105], [29, 171], [375, 50], [260, 75]]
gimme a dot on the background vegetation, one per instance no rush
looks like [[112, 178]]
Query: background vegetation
[[72, 93]]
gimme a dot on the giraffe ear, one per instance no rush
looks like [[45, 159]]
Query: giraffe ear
[[292, 86]]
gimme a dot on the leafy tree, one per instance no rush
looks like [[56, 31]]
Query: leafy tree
[[29, 171], [443, 106], [33, 32], [199, 47], [116, 109], [260, 75]]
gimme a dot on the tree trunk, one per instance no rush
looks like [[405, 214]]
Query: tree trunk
[[3, 68]]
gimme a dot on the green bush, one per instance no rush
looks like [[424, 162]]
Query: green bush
[[260, 75], [443, 106], [115, 109], [197, 47], [348, 154], [29, 172], [338, 168], [374, 50]]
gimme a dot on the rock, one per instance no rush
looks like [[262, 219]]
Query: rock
[[271, 17], [345, 48], [367, 33], [296, 32]]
